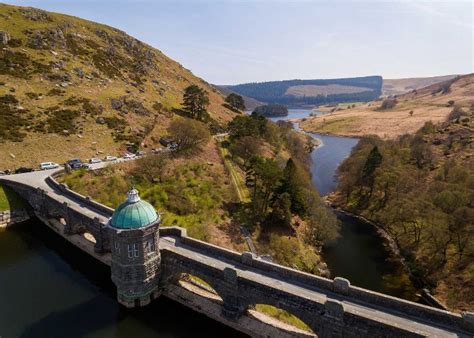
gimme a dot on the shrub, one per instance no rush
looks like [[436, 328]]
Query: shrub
[[388, 103], [456, 113]]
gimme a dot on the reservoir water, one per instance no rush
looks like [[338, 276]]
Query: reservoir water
[[48, 288]]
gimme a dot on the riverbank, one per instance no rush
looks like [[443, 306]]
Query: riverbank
[[392, 246]]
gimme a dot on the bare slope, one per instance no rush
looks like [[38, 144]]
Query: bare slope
[[317, 90], [250, 103], [71, 87], [431, 103], [402, 86]]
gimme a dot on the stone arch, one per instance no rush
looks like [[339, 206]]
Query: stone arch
[[287, 321], [309, 312], [198, 285]]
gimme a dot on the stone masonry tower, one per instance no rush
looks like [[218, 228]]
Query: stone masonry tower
[[135, 253]]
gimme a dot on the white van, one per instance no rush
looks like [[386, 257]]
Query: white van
[[48, 165]]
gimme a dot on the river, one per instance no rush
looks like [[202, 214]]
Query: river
[[359, 254]]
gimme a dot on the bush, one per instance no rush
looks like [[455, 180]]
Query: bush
[[388, 103], [188, 134], [456, 113]]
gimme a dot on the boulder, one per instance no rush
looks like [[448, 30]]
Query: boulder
[[4, 38]]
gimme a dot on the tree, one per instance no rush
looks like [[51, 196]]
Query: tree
[[188, 134], [281, 210], [245, 147], [195, 102], [263, 176], [374, 159], [293, 184], [236, 101], [253, 125]]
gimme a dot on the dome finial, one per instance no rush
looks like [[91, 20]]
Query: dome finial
[[132, 195]]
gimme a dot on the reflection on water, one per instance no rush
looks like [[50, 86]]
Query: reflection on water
[[48, 288], [360, 256]]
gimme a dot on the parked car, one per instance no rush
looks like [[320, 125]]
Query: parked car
[[48, 165], [165, 141], [128, 156], [95, 160], [86, 166], [22, 170], [110, 158], [75, 163]]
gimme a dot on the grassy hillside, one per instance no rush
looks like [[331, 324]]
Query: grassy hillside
[[71, 87], [420, 188], [312, 92], [207, 191], [250, 103], [391, 117], [402, 86]]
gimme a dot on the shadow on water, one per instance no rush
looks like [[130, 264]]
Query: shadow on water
[[52, 289], [361, 256]]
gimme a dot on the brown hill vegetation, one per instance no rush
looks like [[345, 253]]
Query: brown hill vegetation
[[402, 86], [397, 115], [75, 88], [324, 90]]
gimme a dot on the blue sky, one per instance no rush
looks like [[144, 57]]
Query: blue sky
[[236, 41]]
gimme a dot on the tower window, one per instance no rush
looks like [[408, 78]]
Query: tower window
[[117, 247], [150, 245], [132, 250]]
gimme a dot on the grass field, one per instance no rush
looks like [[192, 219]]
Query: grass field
[[237, 180], [9, 200]]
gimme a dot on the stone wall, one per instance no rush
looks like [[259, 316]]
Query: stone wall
[[10, 217]]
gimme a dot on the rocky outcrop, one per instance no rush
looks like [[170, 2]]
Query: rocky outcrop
[[4, 38], [49, 38], [35, 14], [127, 105]]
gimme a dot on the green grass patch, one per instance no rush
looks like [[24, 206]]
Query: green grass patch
[[335, 126], [9, 200], [237, 180], [282, 316]]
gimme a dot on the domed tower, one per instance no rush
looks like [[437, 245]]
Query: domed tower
[[135, 252]]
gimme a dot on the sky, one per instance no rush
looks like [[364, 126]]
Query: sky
[[238, 41]]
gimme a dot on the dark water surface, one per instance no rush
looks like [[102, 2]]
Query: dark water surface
[[48, 288]]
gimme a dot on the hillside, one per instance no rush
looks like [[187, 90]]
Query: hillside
[[419, 188], [75, 88], [296, 93], [395, 116], [402, 86], [250, 103]]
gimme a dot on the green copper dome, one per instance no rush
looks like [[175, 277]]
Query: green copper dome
[[133, 213]]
